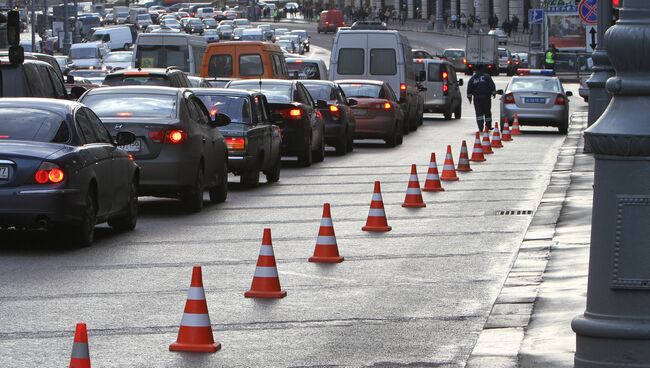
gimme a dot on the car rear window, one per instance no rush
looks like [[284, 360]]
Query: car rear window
[[503, 53], [361, 90], [534, 84], [137, 79], [275, 93], [453, 53], [29, 124], [236, 107], [434, 71], [250, 65], [220, 66], [350, 61], [126, 105], [162, 56], [321, 91], [303, 70], [383, 62]]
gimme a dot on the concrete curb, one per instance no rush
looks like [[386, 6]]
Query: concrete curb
[[499, 343]]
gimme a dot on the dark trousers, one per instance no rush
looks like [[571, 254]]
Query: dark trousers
[[483, 110]]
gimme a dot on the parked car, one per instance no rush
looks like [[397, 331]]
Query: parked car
[[117, 60], [169, 77], [537, 100], [441, 88], [457, 58], [178, 148], [61, 170], [501, 35], [253, 141], [306, 68], [339, 120], [377, 112], [303, 129]]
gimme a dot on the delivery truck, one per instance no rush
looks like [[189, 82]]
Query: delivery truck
[[482, 49]]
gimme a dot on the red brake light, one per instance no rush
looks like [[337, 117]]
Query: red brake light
[[334, 108], [49, 173], [402, 87], [508, 61], [175, 136], [124, 114], [445, 88], [41, 176], [560, 100], [236, 144], [4, 137], [295, 113], [509, 99], [388, 105], [157, 137]]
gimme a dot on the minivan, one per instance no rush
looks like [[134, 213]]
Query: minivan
[[87, 55], [379, 55], [162, 50], [244, 59], [441, 88], [116, 38], [330, 21]]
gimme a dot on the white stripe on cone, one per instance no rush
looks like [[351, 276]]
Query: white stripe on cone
[[261, 271], [376, 197], [195, 320], [266, 250], [326, 221], [449, 167], [376, 212], [195, 293], [326, 240], [413, 178], [413, 191], [433, 177]]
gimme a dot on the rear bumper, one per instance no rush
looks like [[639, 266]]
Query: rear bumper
[[166, 177], [537, 117], [376, 127], [294, 137], [438, 104], [32, 207], [238, 163]]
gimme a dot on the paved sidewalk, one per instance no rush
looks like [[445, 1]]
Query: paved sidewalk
[[530, 323]]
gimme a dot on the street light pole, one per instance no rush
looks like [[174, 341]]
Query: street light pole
[[66, 28], [614, 330], [536, 39], [602, 69], [33, 21]]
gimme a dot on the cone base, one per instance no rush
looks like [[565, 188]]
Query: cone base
[[414, 205], [501, 146], [265, 294], [425, 189], [449, 179], [477, 160], [488, 152], [464, 170], [506, 140], [195, 348], [377, 229], [315, 259], [511, 133]]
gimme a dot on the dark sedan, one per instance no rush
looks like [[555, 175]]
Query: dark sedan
[[302, 126], [253, 141], [339, 119], [193, 25], [60, 169], [178, 147]]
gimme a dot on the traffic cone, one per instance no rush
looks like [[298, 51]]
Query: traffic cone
[[377, 221], [432, 184], [463, 160], [326, 250], [80, 357], [266, 283], [413, 197], [449, 169], [485, 144], [505, 134], [195, 333], [477, 152], [515, 126], [496, 137]]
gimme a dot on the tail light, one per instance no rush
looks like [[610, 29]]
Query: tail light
[[560, 100], [387, 106], [335, 112], [509, 99], [295, 114], [445, 88], [175, 136], [236, 144], [49, 173], [508, 62], [465, 61], [445, 80]]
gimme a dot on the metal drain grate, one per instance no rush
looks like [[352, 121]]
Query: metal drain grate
[[514, 212]]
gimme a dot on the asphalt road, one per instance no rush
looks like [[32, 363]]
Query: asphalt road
[[417, 296]]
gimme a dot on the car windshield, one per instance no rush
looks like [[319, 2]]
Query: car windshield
[[31, 124], [162, 56], [136, 79], [85, 73], [534, 84], [84, 53], [275, 93], [361, 90], [236, 107], [453, 54], [209, 21], [195, 22], [320, 91], [503, 53], [119, 57], [224, 28], [124, 105]]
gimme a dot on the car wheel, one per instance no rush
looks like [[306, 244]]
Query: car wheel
[[459, 111], [84, 233], [193, 198], [447, 114], [400, 135], [305, 157], [127, 220], [319, 155], [219, 192], [342, 144], [251, 178], [273, 175], [391, 140], [564, 128]]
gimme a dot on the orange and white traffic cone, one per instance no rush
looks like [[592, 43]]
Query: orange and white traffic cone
[[326, 251], [195, 333], [505, 134], [463, 160], [496, 137], [485, 143], [515, 126], [413, 197], [449, 169], [266, 283], [477, 151], [377, 221], [80, 357], [432, 184]]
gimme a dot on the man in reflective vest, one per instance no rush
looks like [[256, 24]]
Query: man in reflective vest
[[549, 57]]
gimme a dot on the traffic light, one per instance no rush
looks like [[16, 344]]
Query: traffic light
[[13, 28], [617, 4]]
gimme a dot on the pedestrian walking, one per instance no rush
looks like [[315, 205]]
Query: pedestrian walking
[[515, 23], [526, 25], [480, 91]]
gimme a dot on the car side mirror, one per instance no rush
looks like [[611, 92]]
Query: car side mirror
[[69, 79], [461, 82], [352, 102], [77, 91], [499, 92], [124, 138], [321, 104], [569, 93], [219, 120], [277, 119]]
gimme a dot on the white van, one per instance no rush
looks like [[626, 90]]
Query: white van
[[162, 50], [206, 12], [116, 38], [379, 55], [86, 55]]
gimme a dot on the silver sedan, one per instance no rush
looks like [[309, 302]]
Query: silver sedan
[[538, 101]]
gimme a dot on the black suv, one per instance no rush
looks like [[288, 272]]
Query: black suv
[[32, 78], [170, 77]]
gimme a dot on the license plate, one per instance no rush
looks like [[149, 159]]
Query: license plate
[[535, 100], [359, 112], [4, 172], [136, 146]]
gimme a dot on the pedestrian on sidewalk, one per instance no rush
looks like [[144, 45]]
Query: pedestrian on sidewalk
[[454, 21], [526, 25], [463, 21], [515, 23], [481, 90]]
